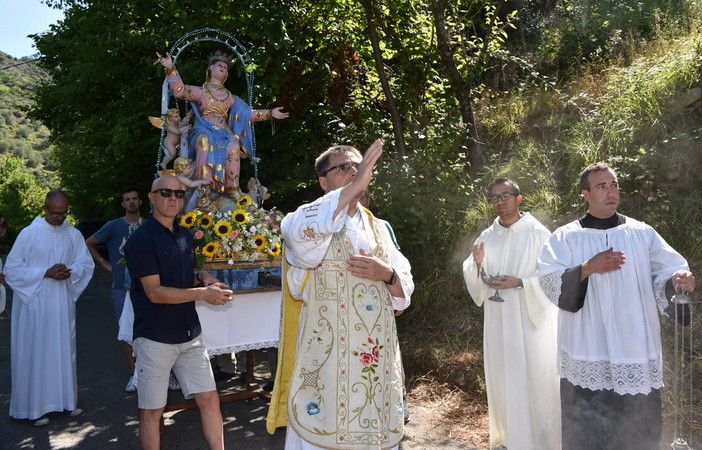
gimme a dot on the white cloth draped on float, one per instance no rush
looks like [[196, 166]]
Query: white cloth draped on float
[[249, 322], [43, 327], [126, 321]]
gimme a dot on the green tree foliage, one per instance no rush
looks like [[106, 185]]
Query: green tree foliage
[[537, 94], [21, 195], [102, 93], [575, 32]]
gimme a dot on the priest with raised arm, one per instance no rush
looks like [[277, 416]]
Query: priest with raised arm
[[345, 387]]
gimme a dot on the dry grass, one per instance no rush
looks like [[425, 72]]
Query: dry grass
[[442, 353], [450, 413]]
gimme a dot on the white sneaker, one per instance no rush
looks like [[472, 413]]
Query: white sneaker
[[173, 383], [41, 422], [76, 412], [131, 385]]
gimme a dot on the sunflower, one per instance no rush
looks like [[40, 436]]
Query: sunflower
[[259, 241], [274, 250], [188, 220], [244, 201], [205, 221], [240, 216], [223, 228], [210, 249]]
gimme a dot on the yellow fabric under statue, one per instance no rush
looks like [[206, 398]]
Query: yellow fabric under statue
[[289, 322]]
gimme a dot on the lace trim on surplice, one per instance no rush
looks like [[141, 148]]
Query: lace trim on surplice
[[659, 293], [633, 378], [551, 285]]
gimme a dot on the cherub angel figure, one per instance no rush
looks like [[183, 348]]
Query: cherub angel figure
[[184, 169], [257, 191], [175, 128]]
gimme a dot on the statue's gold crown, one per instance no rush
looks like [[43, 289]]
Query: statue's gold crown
[[219, 56]]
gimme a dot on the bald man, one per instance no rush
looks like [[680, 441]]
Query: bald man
[[167, 334], [48, 268]]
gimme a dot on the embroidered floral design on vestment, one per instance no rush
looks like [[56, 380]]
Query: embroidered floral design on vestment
[[313, 408], [369, 355]]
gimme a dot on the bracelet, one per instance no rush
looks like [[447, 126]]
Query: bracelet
[[266, 113], [101, 259], [172, 72]]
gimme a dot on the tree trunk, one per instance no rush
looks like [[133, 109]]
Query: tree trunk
[[461, 89], [397, 127]]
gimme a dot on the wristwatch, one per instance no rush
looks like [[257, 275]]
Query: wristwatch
[[520, 285], [393, 278]]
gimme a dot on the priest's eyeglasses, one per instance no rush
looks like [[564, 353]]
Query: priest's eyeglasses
[[342, 168], [57, 214], [501, 198], [165, 192]]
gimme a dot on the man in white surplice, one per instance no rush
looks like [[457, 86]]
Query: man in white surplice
[[48, 268], [519, 342], [609, 275], [346, 387]]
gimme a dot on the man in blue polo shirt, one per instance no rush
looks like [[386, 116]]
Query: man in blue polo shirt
[[112, 234], [161, 259]]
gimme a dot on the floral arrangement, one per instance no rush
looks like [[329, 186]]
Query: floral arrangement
[[247, 233]]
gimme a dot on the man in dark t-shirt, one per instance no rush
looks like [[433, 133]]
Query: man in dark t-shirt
[[160, 257]]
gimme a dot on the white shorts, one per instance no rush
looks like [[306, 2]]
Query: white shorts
[[155, 360]]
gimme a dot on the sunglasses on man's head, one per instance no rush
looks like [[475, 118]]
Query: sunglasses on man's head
[[165, 192]]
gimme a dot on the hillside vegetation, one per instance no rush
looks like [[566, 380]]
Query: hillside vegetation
[[642, 114], [20, 135], [25, 168]]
